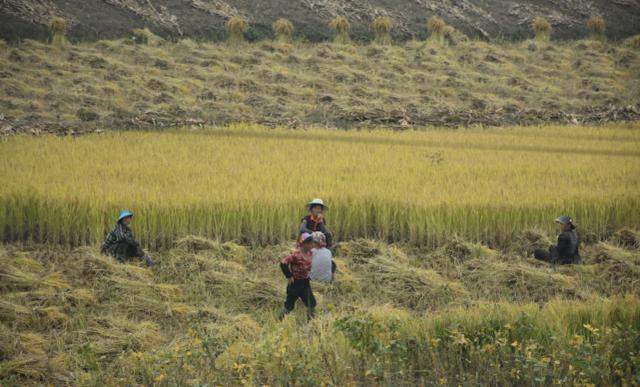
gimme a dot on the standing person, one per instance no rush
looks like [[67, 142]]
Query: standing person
[[566, 251], [323, 267], [315, 221], [296, 267], [120, 242]]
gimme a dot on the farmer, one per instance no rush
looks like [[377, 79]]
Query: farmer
[[296, 267], [314, 221], [566, 251], [120, 242], [323, 267]]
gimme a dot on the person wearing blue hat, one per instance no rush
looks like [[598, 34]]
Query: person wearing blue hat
[[120, 242], [566, 251]]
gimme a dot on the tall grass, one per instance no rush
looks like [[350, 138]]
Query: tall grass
[[236, 28], [597, 26], [341, 27], [283, 30], [542, 28], [58, 27], [382, 28], [436, 28], [250, 184]]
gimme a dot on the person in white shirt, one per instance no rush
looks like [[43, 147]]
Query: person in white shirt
[[323, 268]]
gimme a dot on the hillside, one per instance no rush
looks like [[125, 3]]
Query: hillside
[[457, 314], [115, 84], [204, 19]]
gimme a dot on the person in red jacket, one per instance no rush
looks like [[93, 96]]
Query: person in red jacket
[[296, 267]]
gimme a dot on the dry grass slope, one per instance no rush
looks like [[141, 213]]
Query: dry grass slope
[[162, 84]]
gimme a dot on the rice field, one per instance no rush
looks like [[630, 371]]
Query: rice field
[[250, 183]]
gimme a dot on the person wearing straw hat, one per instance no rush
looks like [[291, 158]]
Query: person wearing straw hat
[[120, 242], [296, 267], [315, 221], [566, 251]]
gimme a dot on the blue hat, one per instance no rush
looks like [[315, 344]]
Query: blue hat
[[124, 214]]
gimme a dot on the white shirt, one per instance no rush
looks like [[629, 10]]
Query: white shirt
[[321, 265]]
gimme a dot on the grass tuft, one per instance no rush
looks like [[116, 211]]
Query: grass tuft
[[436, 28], [542, 28], [58, 27], [341, 27], [236, 28], [382, 29], [143, 36], [597, 26], [283, 30], [634, 42]]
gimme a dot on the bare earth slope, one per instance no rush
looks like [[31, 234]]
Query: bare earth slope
[[99, 19]]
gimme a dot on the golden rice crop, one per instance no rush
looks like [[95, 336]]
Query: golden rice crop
[[251, 184]]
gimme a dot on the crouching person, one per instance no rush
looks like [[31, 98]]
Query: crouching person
[[323, 267], [566, 251], [120, 242], [296, 268]]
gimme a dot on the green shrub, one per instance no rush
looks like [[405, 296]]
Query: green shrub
[[140, 35], [85, 114]]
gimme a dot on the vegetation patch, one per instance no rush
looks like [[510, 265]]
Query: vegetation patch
[[207, 312]]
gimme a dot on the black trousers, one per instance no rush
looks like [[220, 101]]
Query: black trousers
[[124, 251], [551, 255], [299, 289], [544, 255]]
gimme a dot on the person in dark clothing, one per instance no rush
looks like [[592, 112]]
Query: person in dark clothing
[[314, 221], [296, 267], [566, 251], [120, 242]]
